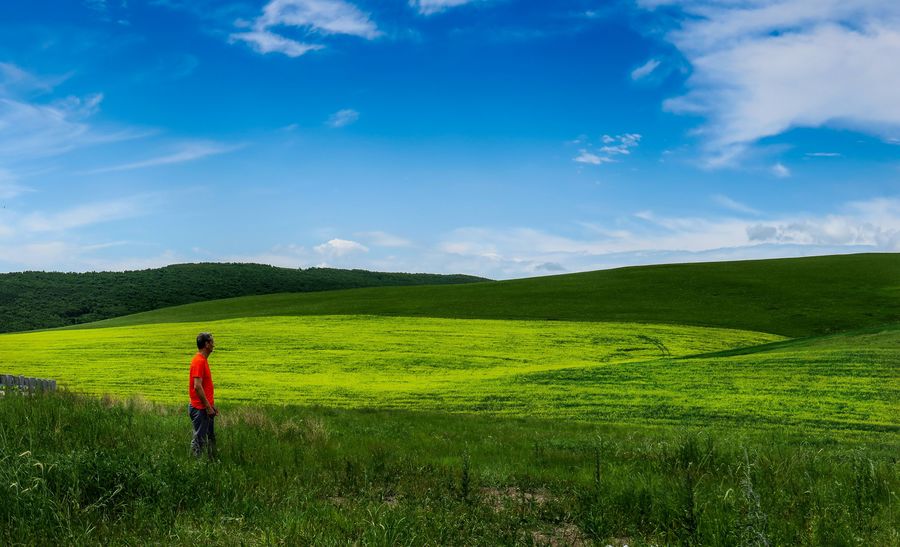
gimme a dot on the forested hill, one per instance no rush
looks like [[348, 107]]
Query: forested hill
[[36, 300]]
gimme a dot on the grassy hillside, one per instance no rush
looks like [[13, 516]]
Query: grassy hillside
[[34, 300], [585, 371], [790, 297]]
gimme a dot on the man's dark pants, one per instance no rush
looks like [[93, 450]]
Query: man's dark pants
[[204, 432]]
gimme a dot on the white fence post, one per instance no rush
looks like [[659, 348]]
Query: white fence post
[[9, 382]]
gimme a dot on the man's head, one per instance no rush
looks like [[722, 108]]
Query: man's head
[[205, 342]]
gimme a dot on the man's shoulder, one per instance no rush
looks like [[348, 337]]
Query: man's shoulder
[[198, 359]]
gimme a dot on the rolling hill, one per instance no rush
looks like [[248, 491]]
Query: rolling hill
[[791, 297], [36, 300]]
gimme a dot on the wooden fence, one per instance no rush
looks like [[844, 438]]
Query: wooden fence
[[8, 382]]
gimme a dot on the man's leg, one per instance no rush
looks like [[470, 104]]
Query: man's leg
[[200, 421], [211, 436]]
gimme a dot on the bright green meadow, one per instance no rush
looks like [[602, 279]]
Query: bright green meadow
[[751, 403], [609, 372], [585, 371]]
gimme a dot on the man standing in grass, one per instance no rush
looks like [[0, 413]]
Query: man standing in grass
[[202, 408]]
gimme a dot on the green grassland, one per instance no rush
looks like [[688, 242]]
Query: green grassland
[[795, 297], [78, 470], [596, 372], [363, 360]]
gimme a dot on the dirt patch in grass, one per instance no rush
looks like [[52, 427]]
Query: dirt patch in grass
[[498, 498], [567, 535]]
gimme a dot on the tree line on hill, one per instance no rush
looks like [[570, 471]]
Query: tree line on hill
[[37, 300]]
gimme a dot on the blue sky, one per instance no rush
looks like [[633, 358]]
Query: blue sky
[[500, 138]]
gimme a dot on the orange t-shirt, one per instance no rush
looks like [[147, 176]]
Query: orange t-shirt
[[200, 369]]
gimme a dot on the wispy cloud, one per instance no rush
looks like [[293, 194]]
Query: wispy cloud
[[322, 17], [733, 205], [781, 171], [588, 157], [85, 215], [14, 80], [856, 227], [9, 185], [612, 148], [343, 118], [645, 69], [429, 7], [62, 255], [874, 224], [54, 239], [764, 67], [264, 41], [188, 152], [32, 129], [823, 154]]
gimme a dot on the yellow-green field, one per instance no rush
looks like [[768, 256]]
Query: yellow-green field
[[616, 372], [350, 359]]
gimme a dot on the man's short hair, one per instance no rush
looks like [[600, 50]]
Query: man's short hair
[[202, 339]]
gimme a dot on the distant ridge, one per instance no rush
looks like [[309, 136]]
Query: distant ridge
[[37, 300], [792, 297]]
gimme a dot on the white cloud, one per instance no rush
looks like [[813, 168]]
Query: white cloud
[[9, 185], [31, 130], [763, 67], [340, 247], [59, 255], [50, 239], [645, 69], [188, 152], [323, 17], [429, 7], [857, 227], [736, 206], [84, 215], [586, 157], [643, 237], [264, 41], [13, 79], [613, 147], [823, 154], [343, 118], [780, 171], [874, 224]]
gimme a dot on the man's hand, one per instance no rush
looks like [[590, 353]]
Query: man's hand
[[198, 388]]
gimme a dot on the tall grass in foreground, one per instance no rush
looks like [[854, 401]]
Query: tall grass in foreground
[[82, 470]]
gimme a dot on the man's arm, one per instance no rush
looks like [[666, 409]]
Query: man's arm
[[198, 387]]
